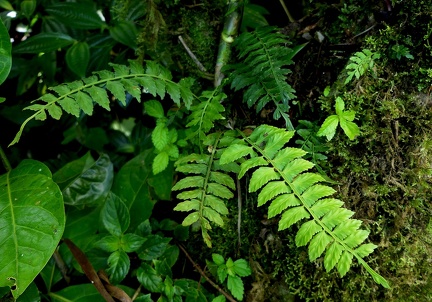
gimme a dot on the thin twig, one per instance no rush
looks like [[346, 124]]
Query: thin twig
[[198, 268], [239, 206], [5, 161], [136, 293], [192, 55], [290, 17], [61, 266]]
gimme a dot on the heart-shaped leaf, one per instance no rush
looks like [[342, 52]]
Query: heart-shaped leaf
[[32, 221]]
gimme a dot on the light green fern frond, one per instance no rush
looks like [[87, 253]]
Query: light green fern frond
[[208, 187], [263, 71], [83, 94], [206, 112], [282, 179]]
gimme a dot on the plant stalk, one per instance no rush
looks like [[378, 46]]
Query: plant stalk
[[5, 161], [229, 32]]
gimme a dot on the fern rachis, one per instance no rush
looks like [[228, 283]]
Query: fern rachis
[[281, 177]]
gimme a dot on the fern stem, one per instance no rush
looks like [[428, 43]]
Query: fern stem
[[230, 30]]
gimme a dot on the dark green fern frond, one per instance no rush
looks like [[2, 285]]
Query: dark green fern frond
[[208, 187], [282, 178], [83, 94], [263, 71]]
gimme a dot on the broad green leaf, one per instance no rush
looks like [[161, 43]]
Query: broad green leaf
[[44, 42], [77, 15], [153, 247], [85, 181], [115, 215], [154, 108], [241, 268], [162, 182], [218, 259], [235, 285], [6, 5], [350, 128], [130, 184], [5, 53], [108, 243], [78, 58], [77, 293], [119, 265], [126, 33], [339, 106], [28, 7], [219, 298], [32, 223], [291, 216], [160, 136], [318, 244], [222, 272], [131, 242], [328, 128], [160, 162], [306, 232], [149, 278]]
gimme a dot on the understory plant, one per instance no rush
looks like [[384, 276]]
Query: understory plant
[[100, 216]]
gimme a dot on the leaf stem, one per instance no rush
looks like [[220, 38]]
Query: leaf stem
[[5, 160]]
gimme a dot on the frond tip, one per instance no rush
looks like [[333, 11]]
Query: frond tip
[[283, 179]]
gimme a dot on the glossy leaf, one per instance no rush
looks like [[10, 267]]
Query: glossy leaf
[[235, 285], [85, 181], [149, 278], [78, 57], [77, 293], [119, 265], [5, 53], [44, 42], [77, 15], [28, 7], [115, 215], [126, 33], [153, 247], [154, 108], [130, 184], [31, 222]]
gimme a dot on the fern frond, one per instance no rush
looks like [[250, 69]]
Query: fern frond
[[300, 197], [207, 189], [205, 113], [263, 70], [83, 94]]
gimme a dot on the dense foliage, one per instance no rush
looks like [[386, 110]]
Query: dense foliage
[[182, 151]]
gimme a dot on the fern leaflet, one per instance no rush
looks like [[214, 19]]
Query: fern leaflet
[[263, 73], [81, 95], [297, 195], [206, 190]]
